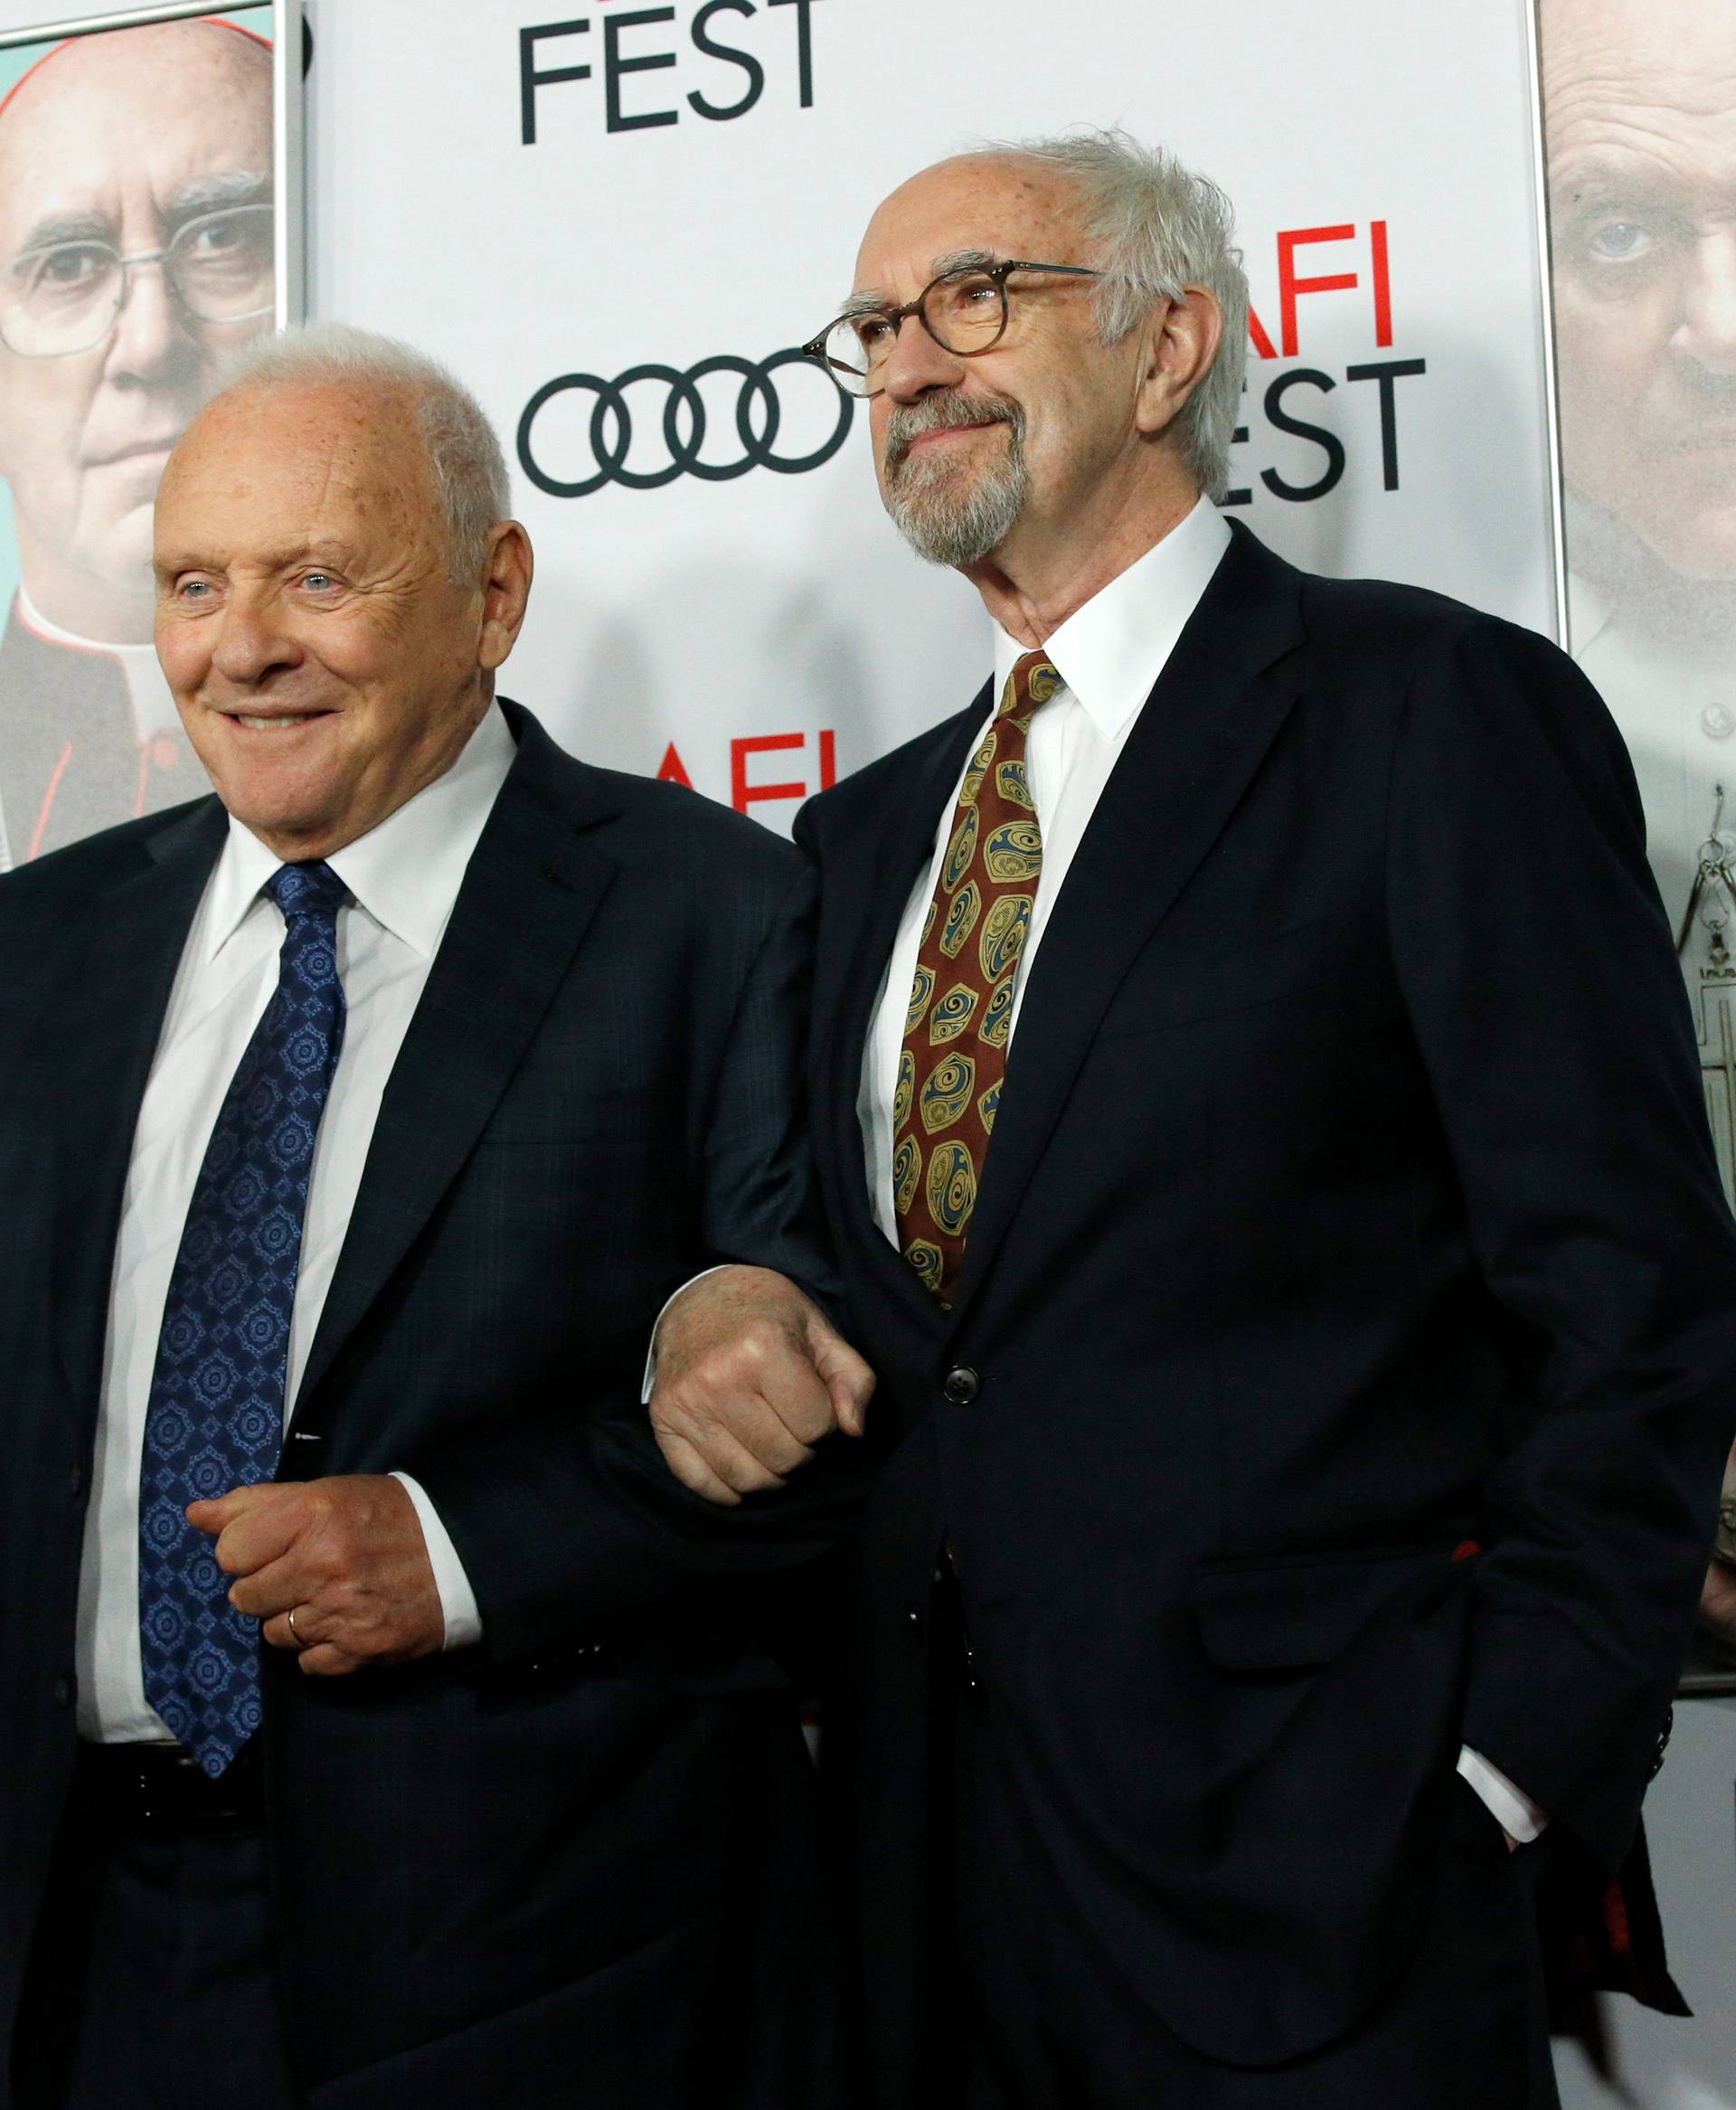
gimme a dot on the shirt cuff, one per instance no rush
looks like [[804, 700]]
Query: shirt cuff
[[1517, 1815], [651, 1352], [457, 1599]]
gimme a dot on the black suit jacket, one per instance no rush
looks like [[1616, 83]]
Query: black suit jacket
[[1349, 1203], [575, 1858]]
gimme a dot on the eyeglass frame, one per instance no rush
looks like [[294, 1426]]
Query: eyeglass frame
[[128, 265], [999, 273]]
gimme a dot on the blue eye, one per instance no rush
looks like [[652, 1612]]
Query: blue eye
[[318, 581], [1620, 242]]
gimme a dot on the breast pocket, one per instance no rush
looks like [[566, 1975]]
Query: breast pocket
[[1179, 980]]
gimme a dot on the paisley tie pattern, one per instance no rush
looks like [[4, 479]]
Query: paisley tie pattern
[[956, 1032], [215, 1418]]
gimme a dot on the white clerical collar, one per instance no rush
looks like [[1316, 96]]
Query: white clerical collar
[[154, 708], [1109, 651], [405, 873]]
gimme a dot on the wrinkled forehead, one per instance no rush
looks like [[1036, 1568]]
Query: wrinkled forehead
[[170, 112], [337, 465], [1645, 59], [999, 205]]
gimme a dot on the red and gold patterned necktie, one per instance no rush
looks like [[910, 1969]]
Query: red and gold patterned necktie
[[954, 1056]]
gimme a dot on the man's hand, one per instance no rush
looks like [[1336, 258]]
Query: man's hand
[[749, 1377], [346, 1556]]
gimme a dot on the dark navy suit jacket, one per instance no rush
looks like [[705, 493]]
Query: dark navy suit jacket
[[1350, 1203], [573, 1862]]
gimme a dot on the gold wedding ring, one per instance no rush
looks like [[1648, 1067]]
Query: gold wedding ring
[[294, 1636]]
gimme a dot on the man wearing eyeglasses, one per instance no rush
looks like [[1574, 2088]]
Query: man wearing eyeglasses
[[1306, 1393], [136, 261]]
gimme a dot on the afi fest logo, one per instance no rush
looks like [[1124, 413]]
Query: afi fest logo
[[732, 52], [1367, 253]]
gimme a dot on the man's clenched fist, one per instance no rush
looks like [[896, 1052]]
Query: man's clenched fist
[[751, 1375]]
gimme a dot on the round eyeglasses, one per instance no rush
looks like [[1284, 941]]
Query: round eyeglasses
[[965, 311], [66, 295]]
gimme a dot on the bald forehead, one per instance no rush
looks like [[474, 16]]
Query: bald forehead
[[302, 437], [133, 66], [120, 136], [368, 426], [1007, 204]]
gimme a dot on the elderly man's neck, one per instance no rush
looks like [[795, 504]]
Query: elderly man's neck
[[1047, 570]]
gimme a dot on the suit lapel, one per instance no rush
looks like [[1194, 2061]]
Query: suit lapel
[[532, 886], [1201, 734], [111, 1035]]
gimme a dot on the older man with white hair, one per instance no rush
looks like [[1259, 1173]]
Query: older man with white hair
[[1308, 1391], [385, 1724]]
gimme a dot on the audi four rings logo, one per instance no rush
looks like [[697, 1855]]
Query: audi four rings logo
[[698, 443]]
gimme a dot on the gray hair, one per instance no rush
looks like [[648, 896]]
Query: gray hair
[[464, 452], [1160, 227]]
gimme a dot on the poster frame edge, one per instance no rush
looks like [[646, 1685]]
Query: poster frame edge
[[288, 96], [1546, 285], [122, 18]]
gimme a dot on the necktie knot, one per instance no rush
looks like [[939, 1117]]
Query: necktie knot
[[308, 890], [1032, 681]]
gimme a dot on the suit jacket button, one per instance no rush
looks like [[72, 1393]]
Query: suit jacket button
[[63, 1692], [961, 1385]]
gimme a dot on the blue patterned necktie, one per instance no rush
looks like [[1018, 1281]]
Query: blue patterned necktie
[[215, 1418]]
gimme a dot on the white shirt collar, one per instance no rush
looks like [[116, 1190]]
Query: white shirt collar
[[147, 690], [1109, 651], [405, 873]]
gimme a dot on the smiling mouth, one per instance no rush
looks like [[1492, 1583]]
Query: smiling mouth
[[275, 722], [921, 442]]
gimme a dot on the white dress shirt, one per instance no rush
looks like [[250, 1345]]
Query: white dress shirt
[[1109, 655], [403, 878]]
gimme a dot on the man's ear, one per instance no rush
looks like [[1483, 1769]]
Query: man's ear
[[1180, 342], [506, 590]]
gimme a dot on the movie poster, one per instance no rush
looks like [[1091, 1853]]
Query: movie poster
[[146, 237], [1639, 137]]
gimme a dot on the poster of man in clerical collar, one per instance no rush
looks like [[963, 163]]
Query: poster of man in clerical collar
[[1639, 137], [147, 233]]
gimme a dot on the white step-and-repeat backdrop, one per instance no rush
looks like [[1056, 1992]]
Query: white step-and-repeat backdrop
[[616, 220]]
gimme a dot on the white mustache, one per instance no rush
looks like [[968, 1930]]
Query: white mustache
[[951, 413]]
